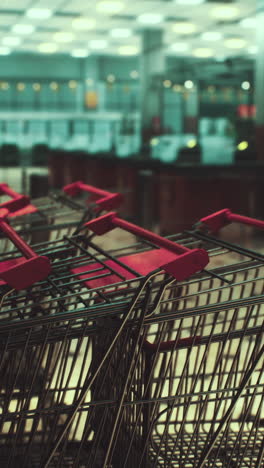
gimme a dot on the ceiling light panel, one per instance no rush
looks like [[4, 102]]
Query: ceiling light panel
[[98, 44], [11, 41], [224, 12], [80, 53], [184, 27], [84, 24], [189, 2], [120, 33], [203, 52], [250, 23], [128, 50], [252, 49], [211, 36], [5, 51], [48, 48], [235, 43], [63, 37], [109, 7], [23, 29], [39, 13], [150, 18], [179, 47]]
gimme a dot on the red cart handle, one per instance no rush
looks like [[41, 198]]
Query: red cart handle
[[23, 272], [108, 201], [222, 218], [186, 261], [18, 201]]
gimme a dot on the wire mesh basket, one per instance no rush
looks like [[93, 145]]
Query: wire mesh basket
[[59, 213], [149, 355]]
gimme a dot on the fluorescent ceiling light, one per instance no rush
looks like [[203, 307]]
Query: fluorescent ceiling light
[[98, 44], [134, 74], [121, 33], [84, 24], [211, 36], [21, 86], [235, 43], [203, 52], [5, 51], [73, 84], [248, 23], [252, 49], [36, 86], [189, 84], [11, 41], [23, 28], [184, 27], [109, 7], [154, 141], [63, 37], [47, 47], [167, 83], [128, 50], [246, 85], [39, 13], [111, 78], [226, 12], [242, 146], [192, 143], [179, 47], [150, 18], [189, 2], [80, 53]]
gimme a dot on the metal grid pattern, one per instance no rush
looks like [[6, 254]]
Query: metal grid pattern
[[141, 372]]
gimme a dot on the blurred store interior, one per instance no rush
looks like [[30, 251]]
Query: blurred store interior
[[162, 100]]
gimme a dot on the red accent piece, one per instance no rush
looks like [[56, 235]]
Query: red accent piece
[[25, 211], [25, 272], [19, 205], [221, 218], [108, 201], [246, 111], [21, 273], [216, 220], [170, 345], [143, 263]]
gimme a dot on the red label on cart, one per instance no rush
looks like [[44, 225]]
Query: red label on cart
[[143, 263]]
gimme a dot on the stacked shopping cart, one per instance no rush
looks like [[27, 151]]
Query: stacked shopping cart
[[149, 355]]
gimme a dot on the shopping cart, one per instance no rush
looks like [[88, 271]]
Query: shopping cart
[[142, 356], [61, 212], [49, 335], [195, 397]]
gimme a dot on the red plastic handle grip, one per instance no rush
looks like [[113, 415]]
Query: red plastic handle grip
[[21, 273], [110, 221], [108, 201], [17, 201], [218, 220], [6, 190], [183, 263]]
